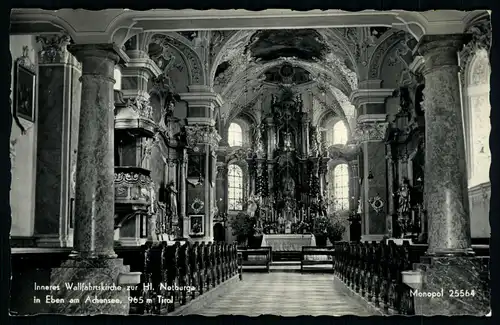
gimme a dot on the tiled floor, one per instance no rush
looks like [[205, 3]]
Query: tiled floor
[[284, 294]]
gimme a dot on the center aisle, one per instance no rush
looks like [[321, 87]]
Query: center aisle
[[283, 294]]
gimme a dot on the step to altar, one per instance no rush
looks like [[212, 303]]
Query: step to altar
[[289, 266], [286, 256]]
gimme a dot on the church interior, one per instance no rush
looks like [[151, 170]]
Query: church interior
[[218, 162]]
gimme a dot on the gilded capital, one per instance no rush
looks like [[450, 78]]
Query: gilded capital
[[53, 48]]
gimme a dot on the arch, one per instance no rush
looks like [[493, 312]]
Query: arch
[[476, 114], [233, 41], [235, 187], [235, 135], [388, 41], [338, 186], [328, 113], [336, 132], [196, 71]]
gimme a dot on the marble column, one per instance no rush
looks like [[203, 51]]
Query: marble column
[[94, 260], [372, 128], [183, 160], [450, 265], [203, 139], [58, 114], [370, 103], [445, 170], [390, 190], [94, 206], [354, 184]]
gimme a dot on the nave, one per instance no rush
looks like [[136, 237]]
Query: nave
[[283, 294], [181, 149]]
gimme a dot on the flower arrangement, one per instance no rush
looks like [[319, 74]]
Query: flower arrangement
[[336, 229], [301, 227], [269, 227], [321, 225], [329, 226], [242, 226]]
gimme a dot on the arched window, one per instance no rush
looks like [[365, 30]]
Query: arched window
[[235, 188], [338, 189], [336, 134], [339, 133], [235, 135], [477, 118]]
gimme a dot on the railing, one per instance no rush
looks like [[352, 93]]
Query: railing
[[374, 269]]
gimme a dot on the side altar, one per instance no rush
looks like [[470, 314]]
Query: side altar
[[287, 167]]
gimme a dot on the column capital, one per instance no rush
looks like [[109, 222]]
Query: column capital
[[201, 134], [109, 51], [370, 96], [371, 127], [440, 50], [53, 48]]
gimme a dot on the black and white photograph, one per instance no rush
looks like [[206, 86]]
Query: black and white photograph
[[229, 162]]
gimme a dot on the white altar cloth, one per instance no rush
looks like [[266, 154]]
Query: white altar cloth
[[287, 242]]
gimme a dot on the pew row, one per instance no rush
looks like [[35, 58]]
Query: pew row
[[374, 271], [172, 274]]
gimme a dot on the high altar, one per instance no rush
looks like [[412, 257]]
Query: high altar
[[287, 167]]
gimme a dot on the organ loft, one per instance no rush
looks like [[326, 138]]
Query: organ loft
[[182, 148]]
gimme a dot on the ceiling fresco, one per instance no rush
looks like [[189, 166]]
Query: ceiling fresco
[[305, 44]]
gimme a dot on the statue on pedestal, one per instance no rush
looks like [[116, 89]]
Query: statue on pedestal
[[288, 187], [152, 231], [404, 198], [404, 218], [172, 203], [287, 141]]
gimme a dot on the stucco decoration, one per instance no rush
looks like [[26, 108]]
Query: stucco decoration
[[53, 48], [388, 41], [230, 50], [480, 70], [480, 39], [195, 68]]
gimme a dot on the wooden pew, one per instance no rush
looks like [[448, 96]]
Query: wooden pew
[[263, 255], [308, 251]]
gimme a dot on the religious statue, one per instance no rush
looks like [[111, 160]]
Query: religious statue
[[152, 217], [172, 202], [287, 141], [322, 206], [360, 207], [288, 187], [252, 206], [259, 144], [404, 198]]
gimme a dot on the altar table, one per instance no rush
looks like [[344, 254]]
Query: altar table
[[288, 242]]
